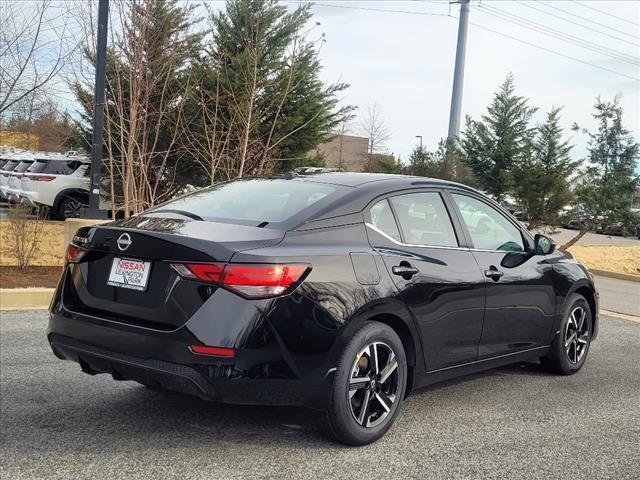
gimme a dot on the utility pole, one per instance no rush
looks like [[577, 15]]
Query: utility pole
[[98, 111], [458, 73]]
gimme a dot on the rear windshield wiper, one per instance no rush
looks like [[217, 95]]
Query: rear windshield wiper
[[184, 213]]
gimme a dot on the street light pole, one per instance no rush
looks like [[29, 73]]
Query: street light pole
[[98, 111], [420, 137], [458, 73]]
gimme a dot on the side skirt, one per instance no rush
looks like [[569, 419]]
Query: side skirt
[[456, 371]]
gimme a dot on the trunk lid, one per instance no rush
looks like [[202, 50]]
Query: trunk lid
[[167, 301]]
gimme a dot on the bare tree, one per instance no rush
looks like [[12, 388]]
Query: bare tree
[[343, 129], [24, 234], [146, 96], [34, 48], [373, 126]]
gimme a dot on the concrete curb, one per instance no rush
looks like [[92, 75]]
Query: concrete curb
[[25, 298], [620, 276]]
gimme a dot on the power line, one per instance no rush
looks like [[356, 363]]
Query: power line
[[540, 28], [555, 53], [587, 19], [371, 9], [606, 13], [578, 24], [548, 50]]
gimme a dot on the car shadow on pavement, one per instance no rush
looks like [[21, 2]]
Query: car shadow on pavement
[[134, 413], [530, 368]]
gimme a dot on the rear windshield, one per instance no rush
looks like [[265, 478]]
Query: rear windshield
[[10, 165], [55, 167], [23, 166], [254, 202]]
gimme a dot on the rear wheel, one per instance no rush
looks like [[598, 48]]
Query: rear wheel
[[368, 388], [570, 347], [70, 207]]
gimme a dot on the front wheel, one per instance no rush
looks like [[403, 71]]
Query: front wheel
[[570, 347], [368, 388]]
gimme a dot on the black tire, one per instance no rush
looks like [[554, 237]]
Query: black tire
[[70, 207], [568, 352], [347, 397]]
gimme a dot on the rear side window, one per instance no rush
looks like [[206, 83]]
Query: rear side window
[[253, 201], [424, 219], [55, 167], [488, 228], [382, 218], [10, 165], [22, 166]]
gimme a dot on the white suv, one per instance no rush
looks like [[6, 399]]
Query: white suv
[[13, 186], [59, 182], [7, 165]]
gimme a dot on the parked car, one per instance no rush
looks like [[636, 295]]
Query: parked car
[[59, 183], [340, 292], [14, 181], [581, 220], [617, 229], [6, 167]]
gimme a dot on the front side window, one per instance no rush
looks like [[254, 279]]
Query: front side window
[[424, 219], [488, 228]]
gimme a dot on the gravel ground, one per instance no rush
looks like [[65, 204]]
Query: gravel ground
[[514, 422]]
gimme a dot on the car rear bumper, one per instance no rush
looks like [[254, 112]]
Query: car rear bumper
[[203, 382], [164, 360]]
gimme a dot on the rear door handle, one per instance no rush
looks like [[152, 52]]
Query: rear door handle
[[495, 274], [405, 271]]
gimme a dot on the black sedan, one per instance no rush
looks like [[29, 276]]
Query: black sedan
[[339, 292]]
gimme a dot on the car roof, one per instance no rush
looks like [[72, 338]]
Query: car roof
[[357, 179], [359, 189]]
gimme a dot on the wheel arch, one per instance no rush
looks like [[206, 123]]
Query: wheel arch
[[590, 296], [396, 316], [408, 342], [69, 192], [78, 193], [586, 289]]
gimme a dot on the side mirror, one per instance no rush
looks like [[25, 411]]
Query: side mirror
[[544, 245]]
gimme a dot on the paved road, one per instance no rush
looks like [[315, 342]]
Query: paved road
[[619, 296], [511, 422], [563, 235]]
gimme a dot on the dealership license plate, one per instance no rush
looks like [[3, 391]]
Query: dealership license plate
[[129, 273]]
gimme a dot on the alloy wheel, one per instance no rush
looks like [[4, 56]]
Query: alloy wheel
[[576, 337], [373, 385], [71, 208]]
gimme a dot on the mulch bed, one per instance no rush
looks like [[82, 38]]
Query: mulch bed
[[36, 276]]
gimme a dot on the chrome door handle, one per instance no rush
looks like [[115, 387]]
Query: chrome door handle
[[404, 270], [494, 274]]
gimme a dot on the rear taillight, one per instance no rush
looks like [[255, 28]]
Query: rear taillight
[[41, 178], [262, 281], [247, 280], [206, 272], [74, 253]]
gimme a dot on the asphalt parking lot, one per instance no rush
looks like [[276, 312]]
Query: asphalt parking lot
[[518, 421]]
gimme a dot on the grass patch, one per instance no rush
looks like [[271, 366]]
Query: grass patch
[[613, 259]]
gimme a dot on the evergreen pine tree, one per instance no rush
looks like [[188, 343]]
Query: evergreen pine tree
[[541, 180], [502, 138]]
